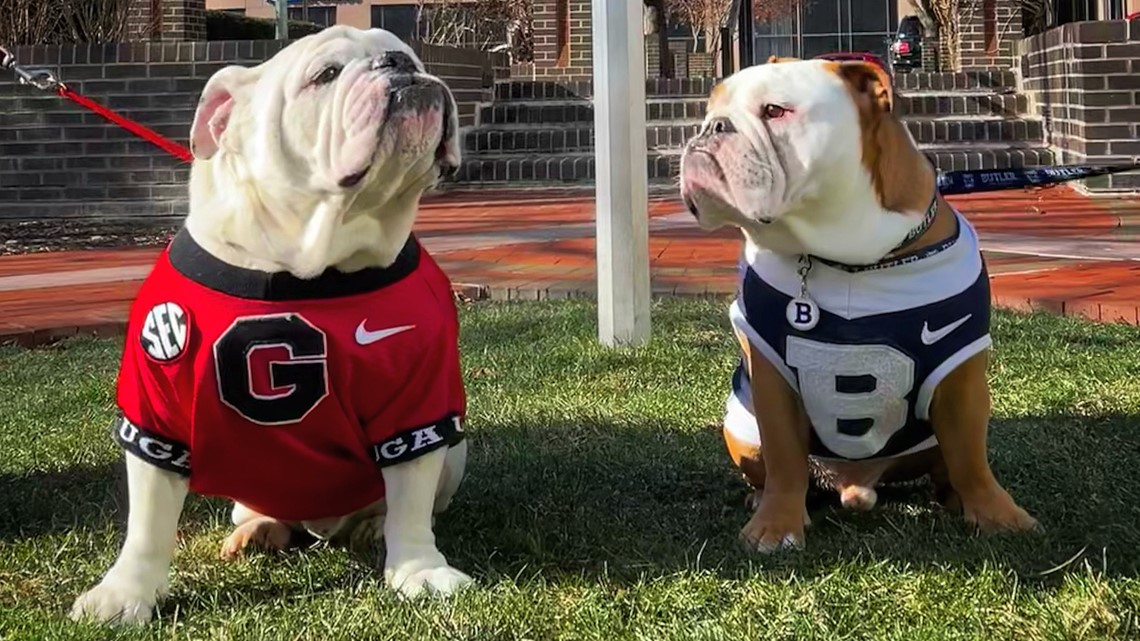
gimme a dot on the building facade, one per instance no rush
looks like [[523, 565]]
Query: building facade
[[562, 30], [397, 16]]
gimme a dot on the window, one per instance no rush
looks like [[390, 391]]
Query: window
[[323, 16], [400, 19], [236, 12]]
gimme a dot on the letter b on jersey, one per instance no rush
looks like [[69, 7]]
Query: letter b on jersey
[[820, 366], [273, 370]]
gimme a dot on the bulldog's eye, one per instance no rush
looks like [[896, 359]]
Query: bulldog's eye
[[326, 75], [772, 112]]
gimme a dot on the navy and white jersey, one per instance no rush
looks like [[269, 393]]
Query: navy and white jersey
[[887, 335]]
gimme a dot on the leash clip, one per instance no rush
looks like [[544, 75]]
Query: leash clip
[[41, 79]]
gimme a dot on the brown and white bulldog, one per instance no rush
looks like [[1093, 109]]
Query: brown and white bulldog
[[863, 308]]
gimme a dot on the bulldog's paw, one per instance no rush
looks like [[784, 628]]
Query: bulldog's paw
[[118, 603], [436, 581], [261, 533], [776, 524], [428, 574], [995, 512]]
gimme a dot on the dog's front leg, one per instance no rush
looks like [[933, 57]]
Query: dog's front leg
[[413, 564], [781, 511], [960, 416], [140, 576]]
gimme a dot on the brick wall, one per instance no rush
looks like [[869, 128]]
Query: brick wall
[[988, 32], [1083, 79], [686, 62], [167, 20], [57, 159], [563, 35]]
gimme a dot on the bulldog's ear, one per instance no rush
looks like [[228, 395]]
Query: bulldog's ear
[[214, 109], [870, 80]]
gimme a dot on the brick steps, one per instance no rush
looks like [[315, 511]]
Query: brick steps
[[962, 104], [554, 112], [996, 80], [926, 103], [664, 164], [555, 90], [580, 137]]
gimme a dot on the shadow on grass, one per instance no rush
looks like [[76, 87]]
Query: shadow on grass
[[49, 502], [640, 501], [561, 501], [55, 502]]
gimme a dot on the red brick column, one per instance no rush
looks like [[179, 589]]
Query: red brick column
[[144, 20], [167, 20], [988, 32], [562, 38]]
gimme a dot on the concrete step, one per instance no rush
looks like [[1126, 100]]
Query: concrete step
[[550, 112], [663, 165], [579, 137]]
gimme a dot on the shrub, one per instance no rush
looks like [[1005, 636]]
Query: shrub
[[223, 25]]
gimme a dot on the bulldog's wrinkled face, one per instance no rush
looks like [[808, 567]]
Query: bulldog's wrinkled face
[[332, 112], [779, 136]]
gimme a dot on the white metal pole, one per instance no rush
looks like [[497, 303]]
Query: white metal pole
[[621, 197], [282, 7]]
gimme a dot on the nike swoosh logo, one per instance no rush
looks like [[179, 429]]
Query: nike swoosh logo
[[365, 337], [930, 338]]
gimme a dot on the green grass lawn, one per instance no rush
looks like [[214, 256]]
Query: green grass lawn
[[600, 504]]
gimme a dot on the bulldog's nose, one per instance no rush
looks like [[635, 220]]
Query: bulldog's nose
[[721, 125], [397, 61]]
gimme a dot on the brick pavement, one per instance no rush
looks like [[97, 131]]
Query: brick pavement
[[1051, 249]]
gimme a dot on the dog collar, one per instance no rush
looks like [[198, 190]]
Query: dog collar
[[802, 312], [893, 258], [927, 221], [188, 258]]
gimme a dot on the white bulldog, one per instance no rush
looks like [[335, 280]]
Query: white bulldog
[[863, 309], [295, 335]]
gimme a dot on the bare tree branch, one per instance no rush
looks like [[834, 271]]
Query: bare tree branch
[[62, 21]]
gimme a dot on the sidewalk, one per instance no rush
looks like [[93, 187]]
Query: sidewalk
[[1053, 249]]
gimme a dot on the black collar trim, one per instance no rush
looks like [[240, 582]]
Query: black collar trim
[[927, 221], [901, 259], [198, 265]]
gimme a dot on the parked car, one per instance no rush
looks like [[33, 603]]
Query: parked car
[[906, 47]]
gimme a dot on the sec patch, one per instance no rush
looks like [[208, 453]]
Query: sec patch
[[165, 332]]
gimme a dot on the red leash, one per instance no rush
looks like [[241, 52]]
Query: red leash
[[147, 134], [46, 80]]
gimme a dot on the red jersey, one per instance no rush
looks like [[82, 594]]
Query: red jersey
[[284, 394]]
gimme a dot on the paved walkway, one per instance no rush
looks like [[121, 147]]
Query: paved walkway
[[1049, 249]]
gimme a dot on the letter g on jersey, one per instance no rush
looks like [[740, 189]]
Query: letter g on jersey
[[273, 370]]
